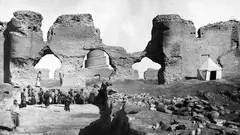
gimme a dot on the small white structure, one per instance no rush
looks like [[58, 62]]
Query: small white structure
[[209, 71]]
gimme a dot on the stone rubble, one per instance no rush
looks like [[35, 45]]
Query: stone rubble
[[202, 113]]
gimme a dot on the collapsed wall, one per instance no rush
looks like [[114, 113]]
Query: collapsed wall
[[175, 46], [72, 37], [23, 42]]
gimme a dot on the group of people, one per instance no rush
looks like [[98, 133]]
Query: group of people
[[31, 96]]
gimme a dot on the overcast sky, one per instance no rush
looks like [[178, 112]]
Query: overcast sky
[[125, 23]]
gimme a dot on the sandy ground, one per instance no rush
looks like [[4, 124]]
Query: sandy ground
[[53, 120]]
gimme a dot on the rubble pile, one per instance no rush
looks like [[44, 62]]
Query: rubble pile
[[192, 113]]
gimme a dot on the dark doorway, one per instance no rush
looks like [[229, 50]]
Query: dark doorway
[[213, 75]]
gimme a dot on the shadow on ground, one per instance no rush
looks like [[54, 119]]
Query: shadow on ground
[[106, 125], [5, 128], [119, 125]]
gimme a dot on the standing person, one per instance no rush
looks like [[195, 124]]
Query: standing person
[[26, 95], [61, 78], [39, 78], [50, 96], [82, 99], [23, 99], [15, 114], [70, 93], [33, 99], [67, 103], [46, 98], [40, 95], [91, 97], [56, 96], [36, 97]]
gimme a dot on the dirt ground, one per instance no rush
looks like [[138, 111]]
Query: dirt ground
[[37, 119], [54, 120]]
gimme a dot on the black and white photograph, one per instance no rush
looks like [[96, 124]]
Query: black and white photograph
[[119, 67]]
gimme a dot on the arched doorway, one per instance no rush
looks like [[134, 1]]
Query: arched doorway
[[50, 62], [144, 65]]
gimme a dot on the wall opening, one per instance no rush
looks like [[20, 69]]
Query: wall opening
[[145, 64], [96, 59], [213, 75], [51, 62]]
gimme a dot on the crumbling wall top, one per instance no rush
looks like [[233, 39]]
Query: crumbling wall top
[[171, 18], [29, 17], [68, 19]]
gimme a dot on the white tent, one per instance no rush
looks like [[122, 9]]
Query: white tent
[[209, 71]]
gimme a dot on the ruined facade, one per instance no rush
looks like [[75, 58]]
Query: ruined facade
[[70, 38], [174, 45]]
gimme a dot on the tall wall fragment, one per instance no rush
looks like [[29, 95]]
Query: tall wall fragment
[[23, 42], [175, 46]]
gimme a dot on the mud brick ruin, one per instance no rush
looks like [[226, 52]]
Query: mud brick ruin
[[174, 45]]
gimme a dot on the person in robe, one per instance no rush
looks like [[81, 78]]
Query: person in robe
[[15, 114], [71, 94], [33, 99], [26, 94], [60, 96], [56, 96], [61, 78], [39, 78], [23, 99], [40, 95], [36, 97], [50, 97], [67, 103], [46, 98], [91, 97]]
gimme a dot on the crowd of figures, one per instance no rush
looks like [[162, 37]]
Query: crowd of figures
[[31, 96]]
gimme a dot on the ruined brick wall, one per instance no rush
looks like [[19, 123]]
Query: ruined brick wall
[[3, 26], [73, 36], [175, 46], [22, 44]]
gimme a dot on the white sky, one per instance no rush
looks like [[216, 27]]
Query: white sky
[[126, 23], [49, 60]]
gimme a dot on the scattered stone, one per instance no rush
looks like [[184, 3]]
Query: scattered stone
[[214, 115], [198, 131], [160, 108], [167, 111], [213, 126], [214, 108], [233, 126], [172, 127], [193, 132], [220, 122], [164, 126], [156, 126], [180, 127], [232, 123]]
